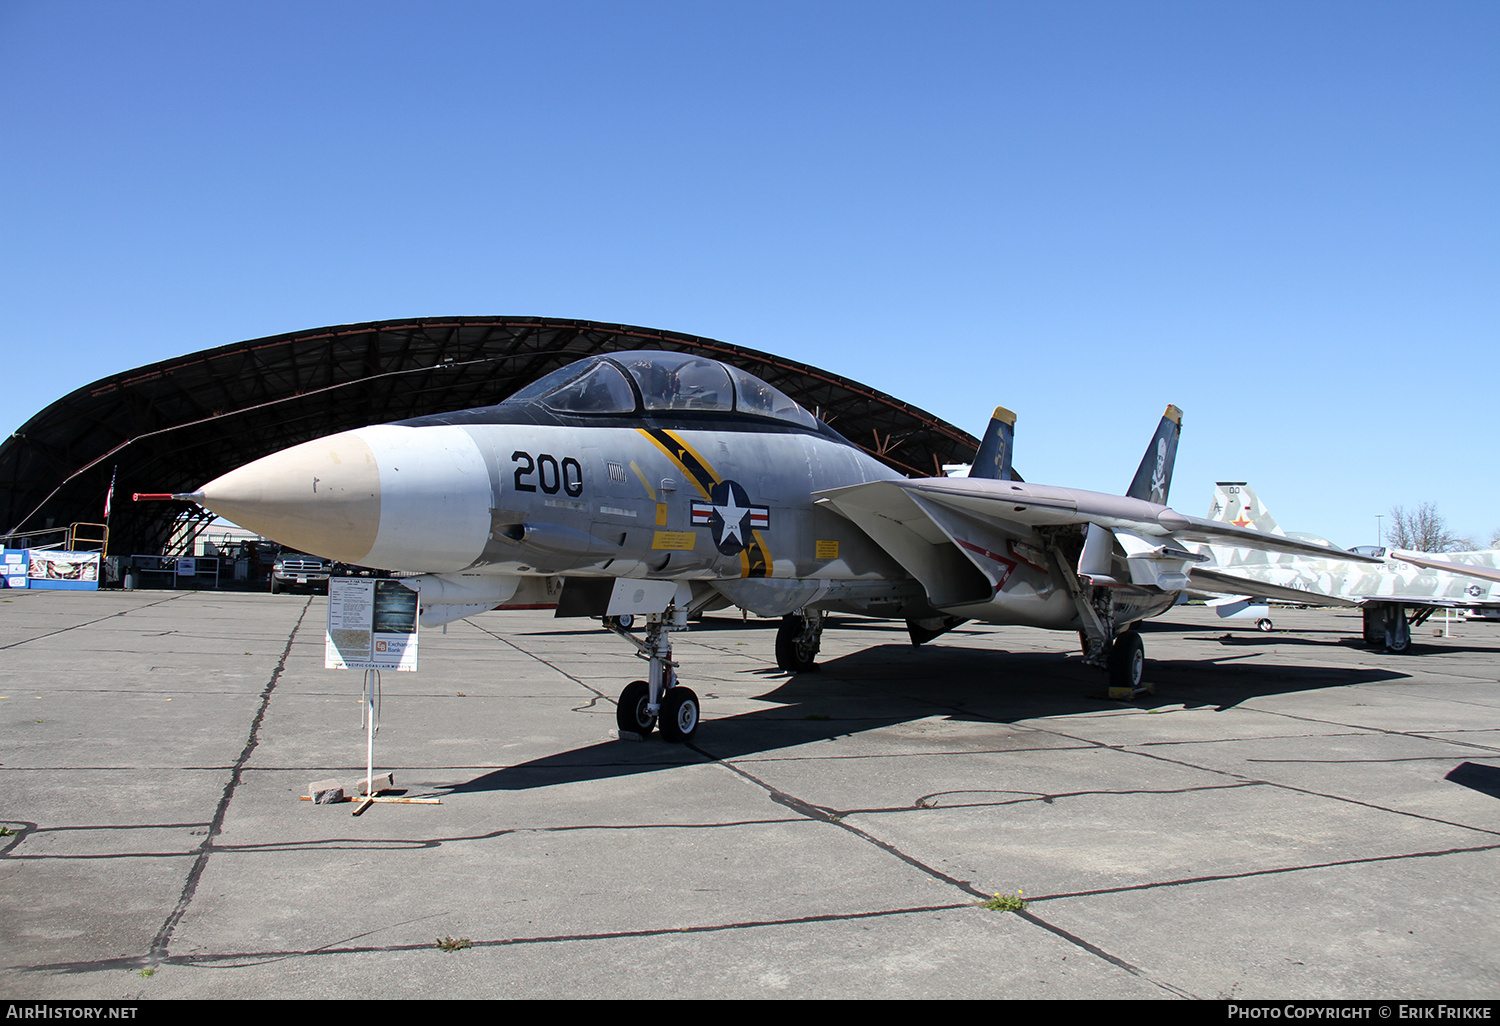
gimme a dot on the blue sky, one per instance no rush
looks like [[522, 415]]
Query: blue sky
[[1282, 217]]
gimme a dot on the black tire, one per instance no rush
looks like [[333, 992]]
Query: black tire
[[1264, 625], [1127, 661], [679, 715], [631, 713], [793, 653], [275, 586], [1397, 631]]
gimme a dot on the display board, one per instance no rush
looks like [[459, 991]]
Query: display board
[[50, 568], [372, 625]]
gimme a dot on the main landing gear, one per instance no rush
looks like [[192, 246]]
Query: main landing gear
[[1127, 664], [1386, 623], [1122, 655], [658, 701], [798, 639], [1123, 658]]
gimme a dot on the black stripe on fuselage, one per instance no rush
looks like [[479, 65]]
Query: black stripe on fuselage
[[685, 458]]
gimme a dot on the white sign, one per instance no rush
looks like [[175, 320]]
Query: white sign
[[372, 625]]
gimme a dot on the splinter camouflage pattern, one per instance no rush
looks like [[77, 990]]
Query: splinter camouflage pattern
[[1396, 580]]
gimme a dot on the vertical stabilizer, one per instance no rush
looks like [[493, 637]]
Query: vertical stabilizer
[[1236, 503], [1153, 479], [993, 459]]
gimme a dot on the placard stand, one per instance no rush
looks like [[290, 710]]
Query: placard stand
[[372, 625]]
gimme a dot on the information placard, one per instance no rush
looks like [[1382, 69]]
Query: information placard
[[372, 625]]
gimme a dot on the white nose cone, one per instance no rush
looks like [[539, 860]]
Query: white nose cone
[[392, 497], [321, 497]]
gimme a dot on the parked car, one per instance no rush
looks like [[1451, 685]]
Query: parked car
[[299, 570]]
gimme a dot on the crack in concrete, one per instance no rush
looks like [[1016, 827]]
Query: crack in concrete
[[159, 944], [87, 623]]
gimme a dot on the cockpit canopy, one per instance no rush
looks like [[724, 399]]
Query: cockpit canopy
[[658, 380]]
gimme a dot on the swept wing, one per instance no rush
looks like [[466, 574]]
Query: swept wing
[[905, 518]]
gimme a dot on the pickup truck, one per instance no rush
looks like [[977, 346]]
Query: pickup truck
[[299, 570]]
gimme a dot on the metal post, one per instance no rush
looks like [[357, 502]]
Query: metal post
[[372, 685]]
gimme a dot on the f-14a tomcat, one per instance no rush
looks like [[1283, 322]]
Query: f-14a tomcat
[[660, 485]]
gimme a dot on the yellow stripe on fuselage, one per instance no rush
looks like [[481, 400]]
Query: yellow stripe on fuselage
[[704, 477], [675, 455]]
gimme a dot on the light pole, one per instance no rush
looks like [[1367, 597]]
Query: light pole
[[1379, 538]]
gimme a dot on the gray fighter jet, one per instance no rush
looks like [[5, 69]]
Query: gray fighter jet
[[660, 485]]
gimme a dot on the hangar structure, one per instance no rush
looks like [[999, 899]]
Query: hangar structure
[[171, 426]]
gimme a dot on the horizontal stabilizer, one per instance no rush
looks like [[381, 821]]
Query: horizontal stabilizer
[[1222, 583]]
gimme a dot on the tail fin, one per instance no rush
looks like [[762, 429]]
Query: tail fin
[[1153, 479], [1236, 503], [993, 459]]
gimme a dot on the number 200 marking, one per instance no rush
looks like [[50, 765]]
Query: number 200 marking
[[545, 470]]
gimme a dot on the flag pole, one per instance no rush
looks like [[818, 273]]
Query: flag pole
[[109, 498]]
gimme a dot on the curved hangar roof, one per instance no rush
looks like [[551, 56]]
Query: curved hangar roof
[[170, 426]]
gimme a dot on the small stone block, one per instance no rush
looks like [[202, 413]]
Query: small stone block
[[380, 782], [325, 792]]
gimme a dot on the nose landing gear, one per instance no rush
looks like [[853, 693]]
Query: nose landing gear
[[658, 701]]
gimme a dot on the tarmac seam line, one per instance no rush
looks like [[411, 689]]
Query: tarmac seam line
[[551, 666], [818, 813], [86, 623], [1279, 870], [1309, 791], [205, 958], [1357, 729], [164, 936]]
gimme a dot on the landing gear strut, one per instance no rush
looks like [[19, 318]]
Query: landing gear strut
[[658, 701], [798, 639], [1122, 655]]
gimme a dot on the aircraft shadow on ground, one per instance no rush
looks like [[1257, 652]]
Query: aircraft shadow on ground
[[1415, 650], [896, 683], [1477, 777]]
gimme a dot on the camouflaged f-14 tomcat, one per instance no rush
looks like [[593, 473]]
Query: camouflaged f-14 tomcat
[[1395, 595]]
